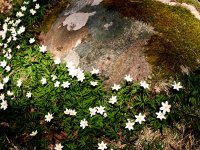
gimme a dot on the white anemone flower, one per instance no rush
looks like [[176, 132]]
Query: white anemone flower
[[102, 145]]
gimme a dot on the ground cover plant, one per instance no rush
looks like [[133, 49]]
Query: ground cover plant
[[45, 104]]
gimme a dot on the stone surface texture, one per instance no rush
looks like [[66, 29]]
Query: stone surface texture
[[108, 41]]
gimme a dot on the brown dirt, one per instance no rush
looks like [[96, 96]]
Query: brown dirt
[[5, 6]]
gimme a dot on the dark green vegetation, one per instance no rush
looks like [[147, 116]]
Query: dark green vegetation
[[25, 115]]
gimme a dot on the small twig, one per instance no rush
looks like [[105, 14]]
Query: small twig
[[15, 147]]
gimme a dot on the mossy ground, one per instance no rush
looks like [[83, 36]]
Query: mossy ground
[[52, 13], [177, 40]]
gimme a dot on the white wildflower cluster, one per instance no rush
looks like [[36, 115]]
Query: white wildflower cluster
[[98, 110], [11, 30], [3, 102], [70, 112], [57, 84], [75, 72], [11, 26], [139, 118], [165, 108]]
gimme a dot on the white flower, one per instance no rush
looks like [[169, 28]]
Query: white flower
[[19, 83], [31, 40], [28, 95], [3, 63], [72, 72], [67, 111], [80, 77], [165, 107], [129, 125], [144, 84], [6, 79], [70, 65], [32, 11], [128, 78], [54, 77], [93, 83], [177, 86], [2, 97], [5, 45], [139, 118], [65, 84], [102, 146], [33, 133], [17, 22], [160, 115], [58, 147], [57, 84], [100, 110], [18, 47], [43, 49], [9, 40], [95, 71], [1, 86], [116, 87], [92, 111], [37, 6], [9, 93], [72, 112], [19, 14], [34, 0], [9, 50], [57, 61], [7, 19], [26, 2], [83, 123], [8, 68], [21, 30], [4, 105], [105, 114], [48, 117], [9, 56], [23, 8], [79, 71], [43, 80], [113, 99]]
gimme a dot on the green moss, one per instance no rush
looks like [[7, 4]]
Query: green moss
[[52, 14], [177, 41]]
